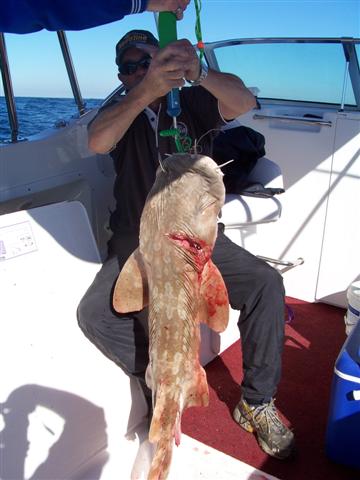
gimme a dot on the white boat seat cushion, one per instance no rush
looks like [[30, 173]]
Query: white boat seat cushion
[[242, 210]]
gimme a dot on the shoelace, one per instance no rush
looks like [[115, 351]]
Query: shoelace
[[269, 411]]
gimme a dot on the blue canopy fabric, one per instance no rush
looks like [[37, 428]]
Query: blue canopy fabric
[[26, 16]]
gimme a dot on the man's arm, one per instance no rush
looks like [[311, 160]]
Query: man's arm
[[166, 71], [71, 15], [233, 96], [110, 125]]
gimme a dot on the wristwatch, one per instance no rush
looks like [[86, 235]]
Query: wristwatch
[[203, 74]]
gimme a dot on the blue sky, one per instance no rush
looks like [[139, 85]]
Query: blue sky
[[38, 70]]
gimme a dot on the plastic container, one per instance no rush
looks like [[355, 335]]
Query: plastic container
[[343, 428], [353, 312]]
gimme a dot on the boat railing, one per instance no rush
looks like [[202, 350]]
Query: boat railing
[[8, 89], [71, 71]]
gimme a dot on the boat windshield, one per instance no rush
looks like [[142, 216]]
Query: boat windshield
[[305, 70]]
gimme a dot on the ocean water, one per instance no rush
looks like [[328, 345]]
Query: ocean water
[[36, 114]]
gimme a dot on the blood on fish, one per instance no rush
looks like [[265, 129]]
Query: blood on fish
[[214, 302], [215, 294], [200, 250]]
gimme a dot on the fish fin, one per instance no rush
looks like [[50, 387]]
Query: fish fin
[[214, 300], [131, 288], [197, 394]]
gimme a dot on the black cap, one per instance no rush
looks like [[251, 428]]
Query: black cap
[[134, 38]]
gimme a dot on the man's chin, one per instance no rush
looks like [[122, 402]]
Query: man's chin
[[133, 85]]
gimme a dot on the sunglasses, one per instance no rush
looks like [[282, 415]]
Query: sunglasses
[[129, 68]]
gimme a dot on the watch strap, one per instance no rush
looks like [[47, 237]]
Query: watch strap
[[204, 69]]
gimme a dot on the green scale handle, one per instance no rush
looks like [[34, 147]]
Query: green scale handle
[[168, 34]]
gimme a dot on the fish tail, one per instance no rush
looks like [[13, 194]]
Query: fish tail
[[165, 429], [166, 416], [161, 462]]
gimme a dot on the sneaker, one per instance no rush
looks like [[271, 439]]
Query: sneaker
[[263, 420]]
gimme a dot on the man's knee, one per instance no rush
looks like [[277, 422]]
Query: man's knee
[[87, 316], [272, 280], [265, 288]]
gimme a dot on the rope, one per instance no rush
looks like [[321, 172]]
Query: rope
[[200, 43], [183, 143]]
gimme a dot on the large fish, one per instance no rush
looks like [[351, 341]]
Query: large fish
[[172, 272]]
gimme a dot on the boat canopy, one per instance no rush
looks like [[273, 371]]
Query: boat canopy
[[26, 16]]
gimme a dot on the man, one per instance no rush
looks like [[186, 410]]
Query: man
[[129, 130]]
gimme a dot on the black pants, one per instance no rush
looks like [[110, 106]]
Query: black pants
[[254, 288]]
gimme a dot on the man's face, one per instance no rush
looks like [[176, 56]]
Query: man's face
[[134, 65]]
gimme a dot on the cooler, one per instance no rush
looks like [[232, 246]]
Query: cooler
[[343, 429]]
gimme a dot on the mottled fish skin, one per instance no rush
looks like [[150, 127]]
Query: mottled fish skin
[[182, 286]]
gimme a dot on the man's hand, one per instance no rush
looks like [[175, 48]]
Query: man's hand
[[192, 71], [169, 68], [176, 6]]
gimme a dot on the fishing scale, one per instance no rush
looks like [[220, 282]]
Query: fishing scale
[[167, 31]]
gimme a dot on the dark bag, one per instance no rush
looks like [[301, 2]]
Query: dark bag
[[245, 146]]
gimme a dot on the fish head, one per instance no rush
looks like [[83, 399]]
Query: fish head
[[183, 207]]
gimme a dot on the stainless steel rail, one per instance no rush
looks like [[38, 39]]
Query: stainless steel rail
[[71, 71], [293, 119], [353, 68], [285, 263], [8, 90]]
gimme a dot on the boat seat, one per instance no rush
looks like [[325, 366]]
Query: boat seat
[[257, 203]]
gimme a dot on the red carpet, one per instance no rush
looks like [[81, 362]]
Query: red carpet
[[313, 341]]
